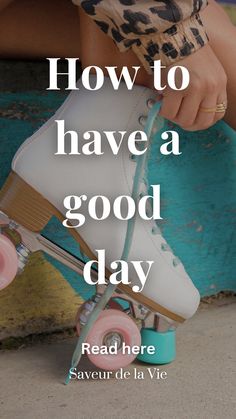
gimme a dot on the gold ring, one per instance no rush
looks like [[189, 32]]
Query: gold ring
[[220, 107]]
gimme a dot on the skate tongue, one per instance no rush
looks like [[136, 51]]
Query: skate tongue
[[140, 169]]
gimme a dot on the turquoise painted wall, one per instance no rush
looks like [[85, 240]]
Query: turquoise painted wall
[[198, 192]]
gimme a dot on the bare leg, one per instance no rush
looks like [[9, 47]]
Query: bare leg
[[33, 29], [38, 29], [222, 34]]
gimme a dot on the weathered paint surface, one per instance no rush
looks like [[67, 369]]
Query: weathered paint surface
[[38, 301], [199, 204], [198, 207]]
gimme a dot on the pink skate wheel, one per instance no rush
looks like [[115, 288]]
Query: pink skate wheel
[[113, 328], [8, 262]]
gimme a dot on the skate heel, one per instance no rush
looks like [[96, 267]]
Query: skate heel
[[27, 207], [24, 204]]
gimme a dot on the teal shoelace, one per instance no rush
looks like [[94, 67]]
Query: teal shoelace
[[140, 173]]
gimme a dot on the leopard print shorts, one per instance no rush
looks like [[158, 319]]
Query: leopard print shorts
[[168, 30]]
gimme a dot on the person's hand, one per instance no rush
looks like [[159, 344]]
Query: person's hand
[[193, 108]]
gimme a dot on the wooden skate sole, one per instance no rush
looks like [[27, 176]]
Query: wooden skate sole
[[29, 208]]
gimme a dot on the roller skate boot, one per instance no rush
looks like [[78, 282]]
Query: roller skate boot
[[40, 180]]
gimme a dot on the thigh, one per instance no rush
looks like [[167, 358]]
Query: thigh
[[39, 29], [222, 34]]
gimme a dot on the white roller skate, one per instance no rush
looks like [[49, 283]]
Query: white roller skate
[[40, 180]]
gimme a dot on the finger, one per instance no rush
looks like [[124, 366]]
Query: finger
[[221, 100], [188, 111], [171, 103], [206, 113]]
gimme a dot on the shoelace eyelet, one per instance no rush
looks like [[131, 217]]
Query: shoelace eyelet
[[150, 103], [132, 157], [176, 262], [142, 120], [155, 230]]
